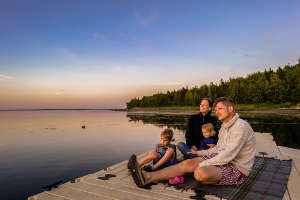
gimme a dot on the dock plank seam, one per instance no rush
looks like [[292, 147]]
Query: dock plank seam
[[166, 187], [171, 196], [92, 193], [57, 195]]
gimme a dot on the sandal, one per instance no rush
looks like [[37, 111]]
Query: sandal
[[176, 180], [136, 171], [147, 168]]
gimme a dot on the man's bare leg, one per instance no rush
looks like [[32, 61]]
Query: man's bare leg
[[187, 166], [208, 174]]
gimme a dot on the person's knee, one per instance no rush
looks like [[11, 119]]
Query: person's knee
[[154, 155], [201, 175], [180, 145], [189, 165]]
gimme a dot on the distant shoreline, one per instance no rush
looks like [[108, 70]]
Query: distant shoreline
[[271, 111], [161, 111], [62, 109]]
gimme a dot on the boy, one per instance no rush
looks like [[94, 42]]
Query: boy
[[164, 154]]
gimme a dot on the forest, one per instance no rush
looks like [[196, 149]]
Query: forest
[[271, 86]]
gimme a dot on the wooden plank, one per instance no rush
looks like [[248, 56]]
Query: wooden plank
[[120, 191], [48, 196], [265, 143], [127, 182], [294, 180], [122, 186], [69, 193], [158, 189]]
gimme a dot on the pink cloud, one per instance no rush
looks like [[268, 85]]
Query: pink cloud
[[146, 48], [4, 77], [146, 20]]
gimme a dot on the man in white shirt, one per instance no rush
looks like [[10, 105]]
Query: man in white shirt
[[228, 163]]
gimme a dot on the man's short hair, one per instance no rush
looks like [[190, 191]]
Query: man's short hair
[[210, 102], [226, 101]]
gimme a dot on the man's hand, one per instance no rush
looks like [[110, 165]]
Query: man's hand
[[194, 148], [192, 152]]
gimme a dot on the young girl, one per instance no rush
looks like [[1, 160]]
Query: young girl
[[164, 154], [208, 131]]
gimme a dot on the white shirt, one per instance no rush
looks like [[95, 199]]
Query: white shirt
[[236, 145]]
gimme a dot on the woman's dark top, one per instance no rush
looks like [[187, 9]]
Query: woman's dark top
[[194, 134]]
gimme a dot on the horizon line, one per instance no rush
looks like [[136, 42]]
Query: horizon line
[[45, 109]]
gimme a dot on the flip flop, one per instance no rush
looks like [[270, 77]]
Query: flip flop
[[136, 171], [106, 177]]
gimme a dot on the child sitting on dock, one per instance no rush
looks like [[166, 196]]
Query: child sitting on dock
[[164, 154], [208, 132]]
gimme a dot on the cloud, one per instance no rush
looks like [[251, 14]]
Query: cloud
[[123, 35], [59, 92], [97, 36], [125, 69], [146, 48], [146, 20], [250, 55], [167, 84], [67, 54], [5, 77], [187, 37], [270, 40]]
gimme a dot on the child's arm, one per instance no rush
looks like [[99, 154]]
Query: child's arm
[[211, 145], [210, 142], [167, 157]]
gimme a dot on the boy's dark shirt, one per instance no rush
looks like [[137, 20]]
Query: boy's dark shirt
[[160, 148], [193, 134]]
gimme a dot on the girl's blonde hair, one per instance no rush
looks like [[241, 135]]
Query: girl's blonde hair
[[210, 128], [167, 133]]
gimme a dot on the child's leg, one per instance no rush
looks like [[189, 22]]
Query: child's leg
[[168, 156], [151, 156]]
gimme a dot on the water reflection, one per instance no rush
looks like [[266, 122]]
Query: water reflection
[[38, 148], [284, 128]]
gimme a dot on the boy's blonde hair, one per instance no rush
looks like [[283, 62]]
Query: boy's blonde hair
[[167, 133], [210, 128]]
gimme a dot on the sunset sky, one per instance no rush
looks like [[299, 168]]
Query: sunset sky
[[100, 54]]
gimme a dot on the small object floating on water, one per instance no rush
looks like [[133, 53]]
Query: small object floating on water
[[83, 125]]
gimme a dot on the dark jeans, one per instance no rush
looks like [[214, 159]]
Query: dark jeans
[[184, 148]]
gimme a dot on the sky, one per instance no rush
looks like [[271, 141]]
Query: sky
[[101, 54]]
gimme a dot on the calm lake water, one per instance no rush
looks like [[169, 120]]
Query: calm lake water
[[38, 148]]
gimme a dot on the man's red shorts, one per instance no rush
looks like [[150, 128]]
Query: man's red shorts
[[230, 174]]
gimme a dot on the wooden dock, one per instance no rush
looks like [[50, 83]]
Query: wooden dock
[[95, 187]]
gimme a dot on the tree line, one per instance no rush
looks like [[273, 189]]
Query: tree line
[[279, 86]]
